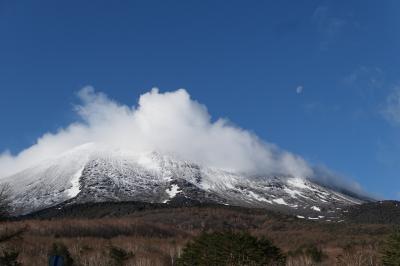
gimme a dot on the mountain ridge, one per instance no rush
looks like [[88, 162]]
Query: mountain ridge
[[92, 173]]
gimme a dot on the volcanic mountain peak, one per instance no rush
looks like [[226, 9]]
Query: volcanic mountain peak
[[95, 173]]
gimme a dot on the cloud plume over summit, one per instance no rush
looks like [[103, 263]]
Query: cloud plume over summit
[[169, 122]]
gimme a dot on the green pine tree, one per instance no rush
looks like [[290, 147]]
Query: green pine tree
[[233, 249]]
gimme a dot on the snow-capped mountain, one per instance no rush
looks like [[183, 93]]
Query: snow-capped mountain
[[90, 173]]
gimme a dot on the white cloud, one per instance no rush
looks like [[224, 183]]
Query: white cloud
[[299, 89], [169, 122], [391, 110], [328, 25], [327, 177]]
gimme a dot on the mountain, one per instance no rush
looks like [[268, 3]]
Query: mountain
[[377, 212], [92, 173]]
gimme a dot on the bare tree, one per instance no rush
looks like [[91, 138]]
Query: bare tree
[[5, 200]]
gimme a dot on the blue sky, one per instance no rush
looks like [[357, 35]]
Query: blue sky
[[245, 61]]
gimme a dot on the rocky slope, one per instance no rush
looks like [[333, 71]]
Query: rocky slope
[[90, 173]]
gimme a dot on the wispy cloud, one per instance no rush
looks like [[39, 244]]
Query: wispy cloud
[[326, 22], [391, 108], [370, 76], [329, 26], [336, 180], [367, 82]]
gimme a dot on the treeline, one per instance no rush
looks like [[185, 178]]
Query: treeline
[[207, 249], [203, 235]]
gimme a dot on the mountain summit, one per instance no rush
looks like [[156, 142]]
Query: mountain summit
[[93, 173]]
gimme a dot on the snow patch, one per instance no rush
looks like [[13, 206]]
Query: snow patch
[[300, 217], [74, 190], [173, 191], [297, 182], [257, 197], [315, 208], [293, 193], [280, 201]]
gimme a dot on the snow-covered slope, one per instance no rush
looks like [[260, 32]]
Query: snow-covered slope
[[91, 173]]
